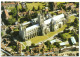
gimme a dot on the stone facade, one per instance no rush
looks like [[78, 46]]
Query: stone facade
[[43, 27]]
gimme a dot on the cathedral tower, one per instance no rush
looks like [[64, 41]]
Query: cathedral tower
[[41, 19], [41, 23]]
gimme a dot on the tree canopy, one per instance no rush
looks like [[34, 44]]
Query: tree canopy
[[57, 44], [11, 21], [33, 8], [14, 12]]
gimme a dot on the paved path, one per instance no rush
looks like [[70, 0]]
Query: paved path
[[23, 44], [6, 52]]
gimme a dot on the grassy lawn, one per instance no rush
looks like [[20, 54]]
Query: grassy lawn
[[24, 43], [38, 39], [59, 3], [23, 47], [71, 19], [30, 5], [19, 6], [66, 35]]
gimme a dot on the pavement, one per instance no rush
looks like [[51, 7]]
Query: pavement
[[6, 52]]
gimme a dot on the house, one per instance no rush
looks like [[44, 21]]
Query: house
[[8, 49], [70, 5], [37, 48], [19, 47], [3, 29], [7, 15], [55, 50], [73, 40], [3, 46], [52, 41], [64, 43], [61, 11], [11, 4]]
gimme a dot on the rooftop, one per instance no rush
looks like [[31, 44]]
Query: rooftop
[[55, 18]]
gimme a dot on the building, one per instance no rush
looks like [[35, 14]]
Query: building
[[69, 53], [19, 46], [42, 27], [6, 14], [10, 4], [73, 40], [3, 29]]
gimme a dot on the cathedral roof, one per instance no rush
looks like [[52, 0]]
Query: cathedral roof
[[55, 18], [26, 23], [47, 21], [32, 27], [58, 17]]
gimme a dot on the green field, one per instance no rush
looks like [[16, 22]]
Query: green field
[[66, 35], [30, 5], [71, 19], [59, 3]]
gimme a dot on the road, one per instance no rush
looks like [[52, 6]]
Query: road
[[6, 52]]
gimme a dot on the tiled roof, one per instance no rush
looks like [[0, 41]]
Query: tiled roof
[[3, 27], [3, 46], [4, 4], [8, 49], [7, 15]]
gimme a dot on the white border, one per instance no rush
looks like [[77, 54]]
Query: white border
[[45, 0]]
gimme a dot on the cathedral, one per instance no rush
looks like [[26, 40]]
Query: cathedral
[[42, 27]]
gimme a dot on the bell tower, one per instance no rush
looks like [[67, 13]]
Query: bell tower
[[41, 19]]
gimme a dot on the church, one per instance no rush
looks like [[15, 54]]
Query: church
[[42, 27]]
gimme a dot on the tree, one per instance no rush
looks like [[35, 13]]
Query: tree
[[57, 44], [77, 37], [47, 43], [26, 8], [62, 36], [32, 44], [76, 22], [8, 31], [14, 12], [3, 16], [2, 34], [69, 8], [28, 17], [27, 48], [51, 6], [11, 21], [60, 6], [34, 15], [33, 8], [38, 7], [2, 8], [77, 4]]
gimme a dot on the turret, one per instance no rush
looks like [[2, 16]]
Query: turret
[[22, 32], [41, 19]]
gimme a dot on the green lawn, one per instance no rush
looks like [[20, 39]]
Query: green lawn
[[59, 3], [23, 47], [71, 19], [66, 35], [30, 5], [24, 43]]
